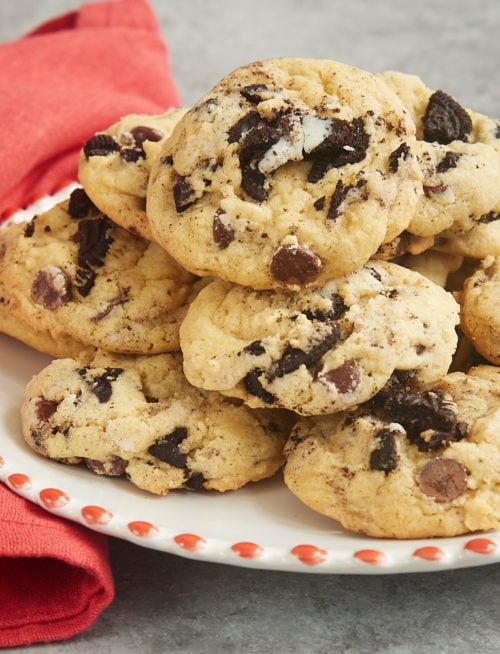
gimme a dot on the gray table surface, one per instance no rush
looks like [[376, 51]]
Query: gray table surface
[[170, 604]]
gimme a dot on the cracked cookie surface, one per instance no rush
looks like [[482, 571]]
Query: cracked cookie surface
[[407, 465], [320, 350], [137, 417], [287, 173]]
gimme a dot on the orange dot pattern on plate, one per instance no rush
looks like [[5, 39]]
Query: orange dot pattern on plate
[[53, 498], [96, 515], [309, 554], [1, 461], [481, 545], [247, 550], [429, 553], [143, 529], [190, 542], [18, 480], [370, 556]]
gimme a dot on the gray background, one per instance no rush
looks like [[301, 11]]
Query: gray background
[[170, 604]]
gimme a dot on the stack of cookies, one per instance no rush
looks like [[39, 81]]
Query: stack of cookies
[[299, 272]]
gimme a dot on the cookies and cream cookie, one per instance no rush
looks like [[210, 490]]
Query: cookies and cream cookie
[[409, 464], [287, 173], [321, 350], [138, 417]]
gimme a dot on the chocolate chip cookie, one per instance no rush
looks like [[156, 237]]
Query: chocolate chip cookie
[[138, 417], [72, 273], [287, 173], [114, 166], [409, 464], [321, 350]]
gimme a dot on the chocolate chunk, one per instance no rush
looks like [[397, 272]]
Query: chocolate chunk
[[256, 348], [445, 120], [80, 205], [385, 456], [100, 145], [253, 385], [100, 385], [295, 265], [292, 358], [51, 288], [167, 449], [347, 144], [346, 378], [114, 467], [222, 234], [45, 409], [400, 153], [142, 133], [443, 479], [183, 192], [449, 160]]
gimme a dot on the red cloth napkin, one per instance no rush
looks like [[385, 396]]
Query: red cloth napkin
[[71, 77]]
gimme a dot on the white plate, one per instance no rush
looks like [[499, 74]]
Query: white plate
[[260, 526]]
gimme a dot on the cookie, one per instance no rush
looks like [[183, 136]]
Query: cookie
[[287, 173], [72, 273], [114, 166], [480, 319], [459, 153], [138, 417], [436, 266], [321, 350], [408, 465]]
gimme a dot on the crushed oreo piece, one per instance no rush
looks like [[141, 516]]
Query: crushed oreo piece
[[449, 160], [132, 155], [256, 348], [222, 233], [385, 456], [183, 192], [93, 241], [295, 265], [253, 385], [79, 205], [339, 196], [434, 190], [51, 288], [167, 449], [445, 120], [84, 280], [29, 229], [254, 93], [400, 153], [195, 480], [100, 145], [100, 385], [443, 479], [254, 144]]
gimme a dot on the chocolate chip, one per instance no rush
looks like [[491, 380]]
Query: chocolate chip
[[347, 144], [100, 145], [80, 205], [295, 265], [445, 120], [400, 153], [449, 160], [443, 479], [142, 133], [114, 466], [45, 409], [183, 192], [222, 234], [346, 378], [100, 385], [385, 456], [167, 449], [51, 288]]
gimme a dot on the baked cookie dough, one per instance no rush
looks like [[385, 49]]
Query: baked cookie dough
[[409, 464], [115, 164], [459, 153], [287, 173], [73, 274], [138, 417], [480, 302], [321, 350]]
